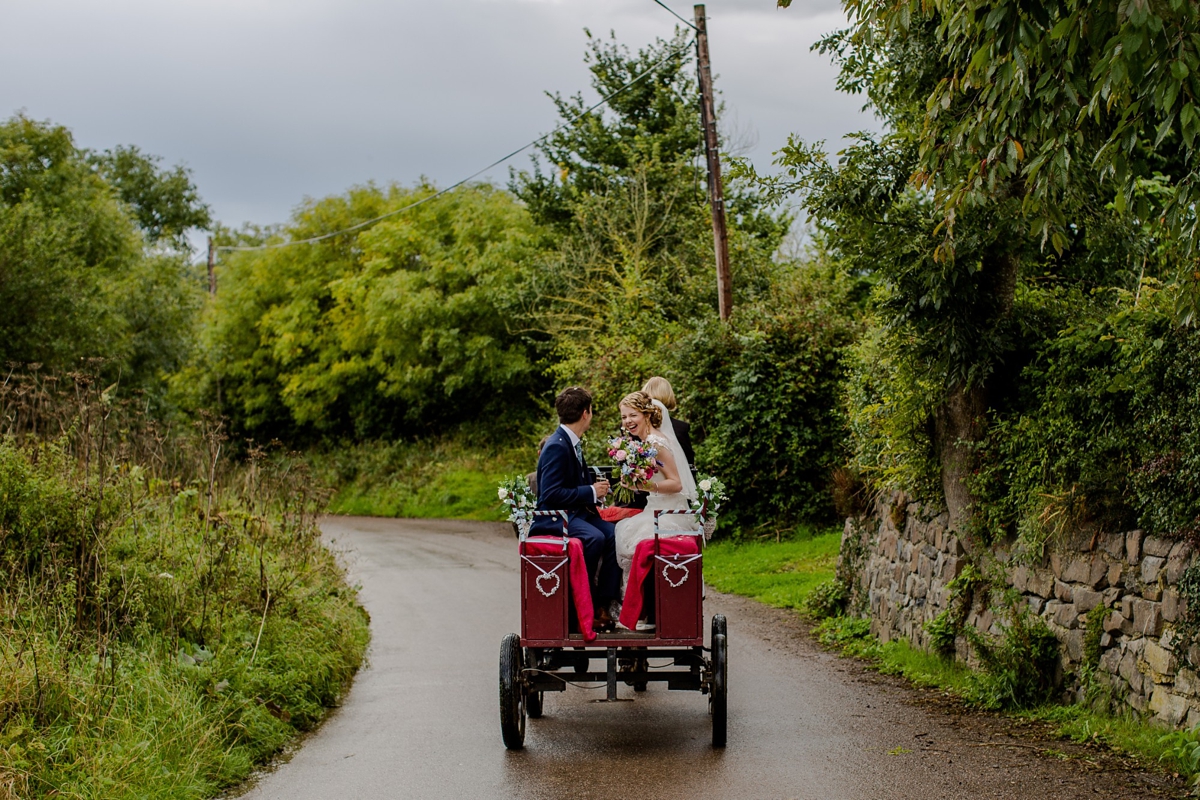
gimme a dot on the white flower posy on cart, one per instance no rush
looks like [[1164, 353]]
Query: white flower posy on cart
[[514, 492], [711, 493]]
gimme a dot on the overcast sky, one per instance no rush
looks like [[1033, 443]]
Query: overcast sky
[[269, 102]]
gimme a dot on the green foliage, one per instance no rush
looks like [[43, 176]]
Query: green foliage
[[453, 476], [1125, 734], [1002, 98], [765, 391], [165, 203], [964, 590], [400, 328], [996, 116], [169, 622], [1103, 431], [890, 405], [1019, 670], [851, 636], [827, 599], [783, 574], [75, 280], [65, 244], [1183, 752], [1187, 627], [943, 632]]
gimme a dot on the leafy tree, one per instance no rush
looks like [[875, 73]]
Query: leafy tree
[[1037, 93], [399, 328], [64, 243], [165, 203], [945, 211], [765, 391], [622, 189], [75, 279]]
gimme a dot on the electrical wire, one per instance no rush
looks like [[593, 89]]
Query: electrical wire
[[671, 11], [472, 176]]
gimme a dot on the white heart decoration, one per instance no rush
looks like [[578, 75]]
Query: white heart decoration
[[680, 582], [545, 575]]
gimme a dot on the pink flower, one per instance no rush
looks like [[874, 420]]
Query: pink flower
[[620, 455]]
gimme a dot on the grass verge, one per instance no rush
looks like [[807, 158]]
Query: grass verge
[[785, 575], [449, 478], [1124, 734], [158, 638], [781, 574]]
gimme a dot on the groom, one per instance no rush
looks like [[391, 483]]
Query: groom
[[564, 482]]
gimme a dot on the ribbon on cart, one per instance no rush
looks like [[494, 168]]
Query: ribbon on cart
[[547, 573], [679, 565]]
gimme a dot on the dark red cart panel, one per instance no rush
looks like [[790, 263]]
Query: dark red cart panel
[[545, 595], [678, 597]]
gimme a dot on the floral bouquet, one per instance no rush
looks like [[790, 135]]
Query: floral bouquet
[[636, 462], [711, 495], [514, 493]]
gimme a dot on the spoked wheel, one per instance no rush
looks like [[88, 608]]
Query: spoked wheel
[[642, 665], [512, 693], [533, 700], [717, 697]]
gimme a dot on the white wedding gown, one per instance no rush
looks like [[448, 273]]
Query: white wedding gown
[[637, 528]]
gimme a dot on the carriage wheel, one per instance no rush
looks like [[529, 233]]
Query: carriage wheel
[[642, 665], [533, 704], [533, 700], [717, 697], [512, 693], [718, 627]]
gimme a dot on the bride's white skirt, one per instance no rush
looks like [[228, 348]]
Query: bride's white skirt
[[640, 527]]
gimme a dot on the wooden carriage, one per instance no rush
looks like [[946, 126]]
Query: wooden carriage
[[557, 647]]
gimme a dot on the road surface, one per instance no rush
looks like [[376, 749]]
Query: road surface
[[422, 718]]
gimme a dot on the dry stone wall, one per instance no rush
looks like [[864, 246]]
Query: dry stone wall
[[902, 559]]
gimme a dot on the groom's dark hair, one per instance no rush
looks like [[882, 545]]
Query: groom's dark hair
[[571, 403]]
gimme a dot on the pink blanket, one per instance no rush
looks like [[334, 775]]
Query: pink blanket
[[617, 513]]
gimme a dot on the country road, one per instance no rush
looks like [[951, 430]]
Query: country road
[[422, 719]]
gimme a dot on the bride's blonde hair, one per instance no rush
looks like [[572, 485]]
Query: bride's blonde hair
[[640, 401]]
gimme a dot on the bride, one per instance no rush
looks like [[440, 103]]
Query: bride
[[670, 488]]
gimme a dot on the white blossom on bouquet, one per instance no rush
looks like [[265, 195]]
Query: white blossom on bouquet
[[514, 492], [711, 495]]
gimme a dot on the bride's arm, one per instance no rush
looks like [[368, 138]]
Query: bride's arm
[[670, 483]]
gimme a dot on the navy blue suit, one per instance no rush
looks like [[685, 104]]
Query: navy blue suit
[[565, 483]]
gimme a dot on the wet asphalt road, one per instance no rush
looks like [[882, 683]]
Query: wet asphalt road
[[422, 719]]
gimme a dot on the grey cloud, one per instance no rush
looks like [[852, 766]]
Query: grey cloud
[[270, 101]]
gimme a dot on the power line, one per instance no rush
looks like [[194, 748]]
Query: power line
[[496, 163], [671, 11]]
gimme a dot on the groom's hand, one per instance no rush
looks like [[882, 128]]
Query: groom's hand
[[601, 489]]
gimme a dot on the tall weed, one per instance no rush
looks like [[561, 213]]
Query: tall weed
[[167, 617]]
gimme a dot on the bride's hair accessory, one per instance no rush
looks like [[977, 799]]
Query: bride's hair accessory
[[641, 402]]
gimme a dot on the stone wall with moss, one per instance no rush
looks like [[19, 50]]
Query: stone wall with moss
[[1115, 602]]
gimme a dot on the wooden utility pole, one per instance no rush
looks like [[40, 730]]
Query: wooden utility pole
[[716, 192], [212, 264]]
